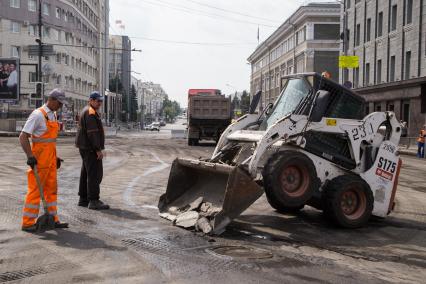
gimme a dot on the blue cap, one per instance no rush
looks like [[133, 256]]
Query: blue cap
[[96, 96]]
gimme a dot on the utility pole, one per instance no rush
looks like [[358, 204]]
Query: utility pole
[[40, 43]]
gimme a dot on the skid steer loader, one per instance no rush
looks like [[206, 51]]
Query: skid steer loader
[[313, 146]]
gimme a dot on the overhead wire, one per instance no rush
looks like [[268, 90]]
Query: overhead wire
[[232, 11]]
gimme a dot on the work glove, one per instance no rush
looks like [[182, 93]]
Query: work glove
[[32, 161], [58, 162]]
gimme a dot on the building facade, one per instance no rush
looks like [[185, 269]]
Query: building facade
[[152, 98], [389, 39], [77, 29], [120, 65], [308, 41]]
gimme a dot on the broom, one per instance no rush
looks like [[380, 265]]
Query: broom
[[46, 221]]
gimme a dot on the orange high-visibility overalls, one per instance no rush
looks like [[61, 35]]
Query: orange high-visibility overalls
[[44, 150]]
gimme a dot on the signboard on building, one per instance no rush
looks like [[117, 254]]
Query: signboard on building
[[348, 61], [47, 50], [9, 80]]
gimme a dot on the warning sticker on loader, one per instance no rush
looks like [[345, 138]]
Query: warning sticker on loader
[[331, 122], [386, 168]]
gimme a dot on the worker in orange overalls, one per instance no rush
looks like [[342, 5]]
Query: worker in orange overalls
[[42, 126], [421, 143]]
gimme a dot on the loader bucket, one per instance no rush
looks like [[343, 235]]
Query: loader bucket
[[228, 188]]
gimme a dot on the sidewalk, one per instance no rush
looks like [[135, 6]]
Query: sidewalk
[[109, 132]]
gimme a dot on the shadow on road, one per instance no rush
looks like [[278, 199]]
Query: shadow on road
[[77, 240], [311, 227], [123, 213]]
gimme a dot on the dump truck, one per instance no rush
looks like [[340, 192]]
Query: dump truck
[[313, 146], [209, 113]]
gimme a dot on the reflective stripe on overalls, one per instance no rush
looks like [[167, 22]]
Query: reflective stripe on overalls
[[44, 150]]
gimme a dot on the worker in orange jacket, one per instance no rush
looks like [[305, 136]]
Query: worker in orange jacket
[[42, 127], [421, 143]]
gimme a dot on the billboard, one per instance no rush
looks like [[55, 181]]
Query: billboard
[[9, 80]]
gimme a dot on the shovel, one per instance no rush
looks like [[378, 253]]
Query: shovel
[[46, 221]]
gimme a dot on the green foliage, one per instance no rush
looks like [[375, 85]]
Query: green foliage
[[170, 109]]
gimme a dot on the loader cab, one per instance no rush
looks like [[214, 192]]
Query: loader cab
[[299, 93]]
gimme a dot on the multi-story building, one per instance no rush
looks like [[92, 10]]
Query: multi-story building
[[307, 41], [76, 29], [389, 39], [152, 99], [120, 64]]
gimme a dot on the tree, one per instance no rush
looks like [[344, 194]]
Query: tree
[[133, 104], [170, 109], [245, 102], [113, 83]]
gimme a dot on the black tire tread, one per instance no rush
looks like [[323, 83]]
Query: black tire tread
[[331, 208], [271, 166]]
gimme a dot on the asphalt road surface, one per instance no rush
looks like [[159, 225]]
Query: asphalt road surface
[[131, 244]]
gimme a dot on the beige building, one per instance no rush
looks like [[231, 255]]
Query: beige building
[[73, 27], [389, 39], [308, 41]]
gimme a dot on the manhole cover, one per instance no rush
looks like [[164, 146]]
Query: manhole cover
[[241, 252]]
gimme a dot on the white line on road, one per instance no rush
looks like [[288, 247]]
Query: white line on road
[[127, 195]]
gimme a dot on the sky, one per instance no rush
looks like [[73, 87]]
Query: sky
[[197, 43]]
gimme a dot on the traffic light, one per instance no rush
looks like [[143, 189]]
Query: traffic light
[[39, 89]]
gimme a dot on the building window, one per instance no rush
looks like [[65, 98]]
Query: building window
[[46, 9], [392, 69], [46, 31], [46, 58], [14, 51], [15, 27], [31, 57], [380, 25], [358, 35], [327, 31], [379, 71], [348, 4], [394, 17], [58, 12], [409, 16], [407, 64], [367, 74], [58, 58], [356, 77], [32, 77], [32, 5], [368, 30], [32, 29], [15, 3], [58, 80]]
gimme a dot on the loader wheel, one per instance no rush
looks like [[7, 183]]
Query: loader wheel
[[348, 201], [290, 180]]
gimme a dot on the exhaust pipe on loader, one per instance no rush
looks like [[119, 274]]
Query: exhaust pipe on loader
[[217, 192]]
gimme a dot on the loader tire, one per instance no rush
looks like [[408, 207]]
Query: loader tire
[[348, 201], [290, 180]]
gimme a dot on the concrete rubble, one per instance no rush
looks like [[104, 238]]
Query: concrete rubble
[[198, 215]]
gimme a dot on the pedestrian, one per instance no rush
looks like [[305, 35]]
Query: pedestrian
[[42, 126], [90, 141], [421, 143]]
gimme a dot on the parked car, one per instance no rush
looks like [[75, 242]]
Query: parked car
[[155, 126], [162, 123]]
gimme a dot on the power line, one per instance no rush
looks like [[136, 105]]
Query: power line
[[232, 12], [201, 12]]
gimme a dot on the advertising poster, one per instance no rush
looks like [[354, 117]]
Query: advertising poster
[[9, 80]]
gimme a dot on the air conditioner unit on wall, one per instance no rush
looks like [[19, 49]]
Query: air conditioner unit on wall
[[26, 23]]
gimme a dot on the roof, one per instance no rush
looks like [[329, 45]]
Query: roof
[[289, 23]]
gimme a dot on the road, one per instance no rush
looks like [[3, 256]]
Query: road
[[131, 244]]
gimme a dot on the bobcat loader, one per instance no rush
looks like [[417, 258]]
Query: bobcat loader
[[313, 146]]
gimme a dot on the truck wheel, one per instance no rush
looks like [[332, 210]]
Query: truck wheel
[[190, 141], [290, 180], [348, 201]]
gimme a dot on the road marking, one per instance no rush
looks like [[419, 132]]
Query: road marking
[[127, 195]]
